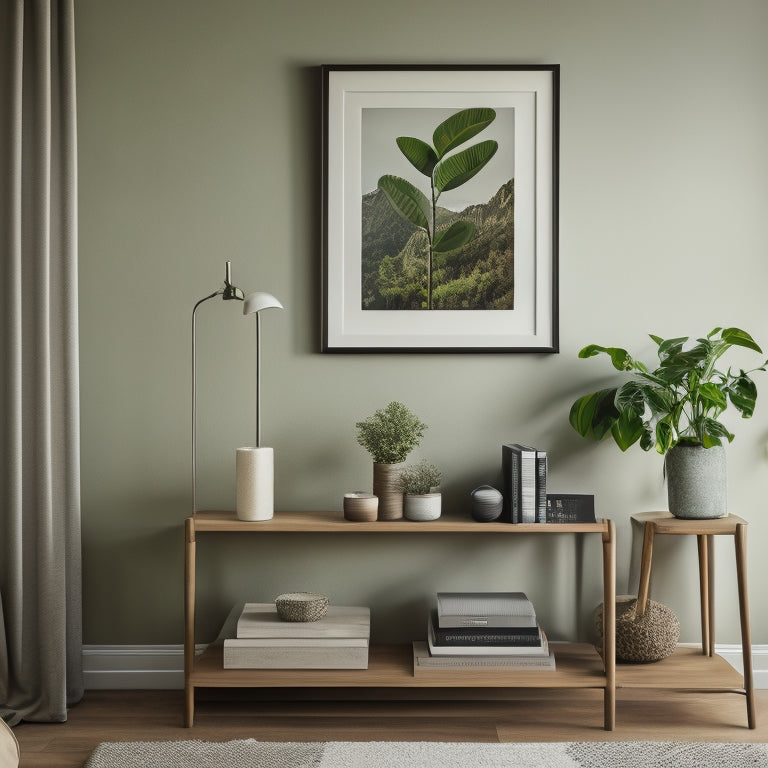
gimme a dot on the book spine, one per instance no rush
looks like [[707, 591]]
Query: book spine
[[490, 633], [509, 623], [527, 486], [510, 466], [518, 640], [541, 486]]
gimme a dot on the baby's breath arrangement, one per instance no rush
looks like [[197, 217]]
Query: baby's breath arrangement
[[390, 434], [419, 479]]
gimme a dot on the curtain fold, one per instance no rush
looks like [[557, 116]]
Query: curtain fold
[[40, 556]]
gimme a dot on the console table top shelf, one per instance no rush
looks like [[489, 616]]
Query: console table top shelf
[[334, 522]]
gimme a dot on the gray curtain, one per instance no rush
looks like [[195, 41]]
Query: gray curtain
[[40, 563]]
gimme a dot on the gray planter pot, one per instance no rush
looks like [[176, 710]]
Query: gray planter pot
[[696, 485]]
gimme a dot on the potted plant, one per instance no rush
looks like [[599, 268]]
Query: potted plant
[[675, 409], [389, 435], [418, 484]]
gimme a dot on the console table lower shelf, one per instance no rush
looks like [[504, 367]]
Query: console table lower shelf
[[391, 666]]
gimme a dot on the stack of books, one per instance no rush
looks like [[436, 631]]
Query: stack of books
[[493, 629], [264, 641], [524, 474], [524, 471]]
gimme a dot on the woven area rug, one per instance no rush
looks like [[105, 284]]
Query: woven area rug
[[382, 754]]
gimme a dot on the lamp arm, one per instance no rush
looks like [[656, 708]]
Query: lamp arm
[[194, 397]]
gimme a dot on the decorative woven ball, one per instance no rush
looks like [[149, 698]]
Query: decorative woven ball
[[301, 606], [652, 637]]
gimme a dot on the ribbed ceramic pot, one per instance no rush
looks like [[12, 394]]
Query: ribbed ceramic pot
[[696, 485], [422, 507], [385, 478]]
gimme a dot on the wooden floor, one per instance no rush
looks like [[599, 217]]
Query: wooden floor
[[531, 716]]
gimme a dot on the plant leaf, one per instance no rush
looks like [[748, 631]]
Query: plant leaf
[[627, 429], [713, 396], [739, 338], [659, 400], [712, 431], [461, 127], [669, 347], [407, 200], [665, 435], [458, 234], [743, 394], [453, 171], [592, 415], [619, 357], [419, 154]]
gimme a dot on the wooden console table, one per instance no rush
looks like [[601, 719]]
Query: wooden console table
[[578, 664], [712, 673]]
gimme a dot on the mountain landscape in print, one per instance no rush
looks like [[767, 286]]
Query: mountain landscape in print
[[477, 276]]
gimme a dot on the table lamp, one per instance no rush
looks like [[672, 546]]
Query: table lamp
[[255, 465], [227, 292]]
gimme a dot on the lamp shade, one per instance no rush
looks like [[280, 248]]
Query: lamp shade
[[255, 302]]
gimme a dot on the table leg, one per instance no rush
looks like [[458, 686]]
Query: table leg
[[190, 547], [645, 570], [746, 639], [609, 626], [711, 578], [706, 624]]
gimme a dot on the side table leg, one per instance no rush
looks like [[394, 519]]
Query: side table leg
[[645, 570], [746, 638], [609, 626], [711, 577], [706, 622], [190, 547]]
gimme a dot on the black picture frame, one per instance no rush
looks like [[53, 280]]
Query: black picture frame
[[368, 303]]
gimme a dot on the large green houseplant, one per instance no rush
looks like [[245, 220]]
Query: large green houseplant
[[674, 408], [389, 435]]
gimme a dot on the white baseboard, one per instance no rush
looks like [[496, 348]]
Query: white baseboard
[[145, 667], [124, 667]]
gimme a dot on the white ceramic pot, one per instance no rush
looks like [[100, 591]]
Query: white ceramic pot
[[422, 507]]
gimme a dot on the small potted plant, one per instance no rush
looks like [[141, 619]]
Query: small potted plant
[[675, 409], [418, 484], [389, 435]]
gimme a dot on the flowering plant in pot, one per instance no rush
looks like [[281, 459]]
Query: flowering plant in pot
[[389, 435], [675, 409], [418, 483]]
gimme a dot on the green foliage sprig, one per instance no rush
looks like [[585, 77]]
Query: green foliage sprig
[[678, 402], [445, 171], [390, 434], [419, 479]]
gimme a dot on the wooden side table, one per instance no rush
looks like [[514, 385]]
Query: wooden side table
[[664, 523]]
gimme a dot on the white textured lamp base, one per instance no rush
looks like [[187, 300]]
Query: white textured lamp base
[[255, 470]]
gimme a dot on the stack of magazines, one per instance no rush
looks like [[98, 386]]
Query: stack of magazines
[[494, 629]]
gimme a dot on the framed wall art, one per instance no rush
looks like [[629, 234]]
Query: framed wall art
[[440, 208]]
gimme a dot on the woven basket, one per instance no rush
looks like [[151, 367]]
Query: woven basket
[[650, 637], [301, 606]]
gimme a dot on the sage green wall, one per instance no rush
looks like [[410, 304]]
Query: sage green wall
[[199, 134]]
